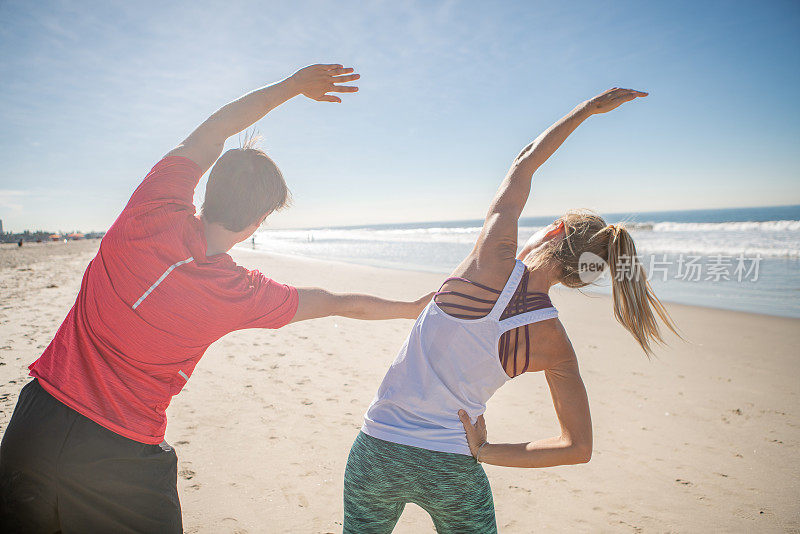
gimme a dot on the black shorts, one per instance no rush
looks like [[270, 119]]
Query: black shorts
[[62, 472]]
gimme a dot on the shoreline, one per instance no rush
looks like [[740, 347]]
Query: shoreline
[[590, 292]]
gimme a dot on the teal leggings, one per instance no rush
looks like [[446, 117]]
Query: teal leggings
[[381, 477]]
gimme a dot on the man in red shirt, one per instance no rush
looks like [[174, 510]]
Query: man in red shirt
[[85, 449]]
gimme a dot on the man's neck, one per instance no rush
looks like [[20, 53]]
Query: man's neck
[[218, 239]]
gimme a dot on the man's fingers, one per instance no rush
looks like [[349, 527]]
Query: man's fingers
[[343, 89], [348, 78], [329, 98], [340, 70], [331, 66]]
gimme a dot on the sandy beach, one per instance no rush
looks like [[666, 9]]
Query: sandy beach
[[705, 437]]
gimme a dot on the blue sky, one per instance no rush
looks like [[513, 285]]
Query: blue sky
[[91, 96]]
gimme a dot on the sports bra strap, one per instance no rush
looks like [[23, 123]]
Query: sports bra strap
[[460, 279], [527, 318], [508, 290]]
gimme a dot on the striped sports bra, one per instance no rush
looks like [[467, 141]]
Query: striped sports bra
[[522, 301]]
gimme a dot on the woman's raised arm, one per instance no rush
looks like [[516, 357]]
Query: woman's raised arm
[[498, 239]]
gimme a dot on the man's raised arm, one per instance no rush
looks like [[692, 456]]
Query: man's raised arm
[[204, 144]]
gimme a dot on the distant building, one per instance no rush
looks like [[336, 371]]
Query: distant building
[[1, 227]]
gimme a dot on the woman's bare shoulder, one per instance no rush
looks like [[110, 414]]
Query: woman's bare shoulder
[[555, 346], [493, 272]]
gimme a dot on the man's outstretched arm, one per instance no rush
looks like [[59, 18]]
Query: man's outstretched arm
[[204, 144], [315, 303]]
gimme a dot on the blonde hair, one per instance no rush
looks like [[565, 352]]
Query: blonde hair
[[636, 306], [244, 186]]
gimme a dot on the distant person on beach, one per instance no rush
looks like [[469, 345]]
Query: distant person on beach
[[85, 449], [490, 322]]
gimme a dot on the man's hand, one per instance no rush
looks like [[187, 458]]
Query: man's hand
[[204, 144], [316, 81], [476, 434], [419, 305], [611, 99]]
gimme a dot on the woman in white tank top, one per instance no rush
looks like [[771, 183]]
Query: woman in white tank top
[[491, 321]]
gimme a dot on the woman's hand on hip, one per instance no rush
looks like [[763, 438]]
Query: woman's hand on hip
[[476, 434]]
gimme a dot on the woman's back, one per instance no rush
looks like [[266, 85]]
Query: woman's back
[[449, 362]]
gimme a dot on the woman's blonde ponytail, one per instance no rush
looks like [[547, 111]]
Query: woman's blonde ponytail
[[634, 300], [635, 305]]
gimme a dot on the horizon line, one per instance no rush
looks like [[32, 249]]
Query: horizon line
[[350, 226]]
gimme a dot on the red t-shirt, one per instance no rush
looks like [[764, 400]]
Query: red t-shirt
[[149, 306]]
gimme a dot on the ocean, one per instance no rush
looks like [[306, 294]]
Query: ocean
[[745, 259]]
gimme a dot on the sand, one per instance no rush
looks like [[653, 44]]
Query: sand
[[703, 438]]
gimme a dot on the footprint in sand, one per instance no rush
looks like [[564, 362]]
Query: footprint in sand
[[230, 522], [186, 473]]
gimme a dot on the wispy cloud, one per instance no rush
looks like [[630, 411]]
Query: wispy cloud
[[11, 200]]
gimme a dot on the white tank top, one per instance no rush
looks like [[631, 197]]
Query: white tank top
[[446, 364]]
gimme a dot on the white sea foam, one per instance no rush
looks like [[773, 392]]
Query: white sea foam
[[740, 226], [428, 235], [769, 239], [774, 239]]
